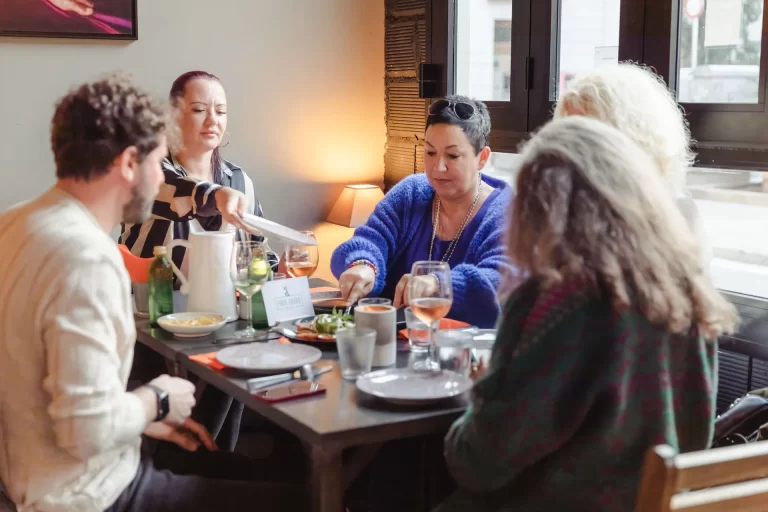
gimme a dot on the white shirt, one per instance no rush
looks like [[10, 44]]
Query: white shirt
[[70, 433]]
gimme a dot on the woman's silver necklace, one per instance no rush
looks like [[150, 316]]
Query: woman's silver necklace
[[454, 242]]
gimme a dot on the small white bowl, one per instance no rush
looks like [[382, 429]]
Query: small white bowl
[[171, 323]]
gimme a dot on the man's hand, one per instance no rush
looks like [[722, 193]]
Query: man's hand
[[189, 435], [181, 397], [232, 204], [83, 7]]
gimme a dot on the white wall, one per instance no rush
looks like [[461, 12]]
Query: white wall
[[304, 80]]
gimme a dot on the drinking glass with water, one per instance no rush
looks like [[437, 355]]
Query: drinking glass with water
[[355, 346]]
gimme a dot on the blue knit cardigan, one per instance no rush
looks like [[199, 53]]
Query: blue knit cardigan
[[390, 229]]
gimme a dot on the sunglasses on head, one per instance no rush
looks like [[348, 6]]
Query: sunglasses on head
[[460, 109]]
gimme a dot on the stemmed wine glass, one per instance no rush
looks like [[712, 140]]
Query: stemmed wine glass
[[251, 271], [430, 293], [302, 260]]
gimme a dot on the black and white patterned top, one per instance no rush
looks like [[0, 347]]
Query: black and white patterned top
[[186, 204]]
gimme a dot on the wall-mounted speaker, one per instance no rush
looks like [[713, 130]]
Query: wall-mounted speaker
[[431, 83]]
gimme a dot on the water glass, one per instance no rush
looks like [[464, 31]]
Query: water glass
[[355, 346], [141, 299], [418, 337], [375, 301], [454, 350]]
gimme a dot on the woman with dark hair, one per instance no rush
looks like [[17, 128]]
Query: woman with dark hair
[[607, 349], [451, 213], [201, 191]]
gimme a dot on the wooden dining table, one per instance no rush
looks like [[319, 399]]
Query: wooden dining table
[[341, 421]]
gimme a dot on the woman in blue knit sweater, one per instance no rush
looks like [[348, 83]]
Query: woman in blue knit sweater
[[451, 213]]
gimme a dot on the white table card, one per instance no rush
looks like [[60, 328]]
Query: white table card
[[287, 299]]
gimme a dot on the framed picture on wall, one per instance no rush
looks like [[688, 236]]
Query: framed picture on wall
[[86, 19]]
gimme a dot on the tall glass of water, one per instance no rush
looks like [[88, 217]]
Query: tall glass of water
[[251, 271], [430, 293]]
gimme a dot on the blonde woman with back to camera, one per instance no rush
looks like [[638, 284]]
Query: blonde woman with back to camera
[[607, 349], [637, 102]]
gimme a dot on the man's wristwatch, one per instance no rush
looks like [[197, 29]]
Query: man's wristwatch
[[162, 402]]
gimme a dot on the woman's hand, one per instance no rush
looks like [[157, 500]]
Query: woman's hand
[[83, 7], [189, 435], [232, 204], [424, 286], [356, 282]]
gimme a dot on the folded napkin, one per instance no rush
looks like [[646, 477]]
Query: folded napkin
[[209, 358], [445, 323]]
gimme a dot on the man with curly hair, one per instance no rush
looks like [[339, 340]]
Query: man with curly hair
[[70, 432]]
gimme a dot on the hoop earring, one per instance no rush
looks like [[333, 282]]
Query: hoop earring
[[229, 139]]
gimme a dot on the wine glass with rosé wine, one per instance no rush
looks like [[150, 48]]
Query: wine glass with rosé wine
[[430, 294], [302, 260]]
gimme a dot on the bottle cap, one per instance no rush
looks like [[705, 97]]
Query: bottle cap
[[160, 250]]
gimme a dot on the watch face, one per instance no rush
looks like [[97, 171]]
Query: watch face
[[163, 406]]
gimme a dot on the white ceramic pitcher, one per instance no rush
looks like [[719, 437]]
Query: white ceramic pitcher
[[209, 285]]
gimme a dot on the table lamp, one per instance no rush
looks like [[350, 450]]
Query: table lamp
[[355, 205]]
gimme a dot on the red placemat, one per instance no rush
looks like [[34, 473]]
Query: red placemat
[[445, 323]]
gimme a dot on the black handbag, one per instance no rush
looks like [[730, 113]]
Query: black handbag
[[745, 421]]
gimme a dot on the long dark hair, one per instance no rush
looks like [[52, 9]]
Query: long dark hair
[[177, 91]]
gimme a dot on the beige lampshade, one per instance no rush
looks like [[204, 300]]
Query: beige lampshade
[[355, 205]]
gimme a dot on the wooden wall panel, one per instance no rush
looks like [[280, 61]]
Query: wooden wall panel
[[405, 49]]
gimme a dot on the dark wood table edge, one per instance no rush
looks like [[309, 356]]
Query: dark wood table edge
[[441, 420]]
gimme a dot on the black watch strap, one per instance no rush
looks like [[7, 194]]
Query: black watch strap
[[163, 407]]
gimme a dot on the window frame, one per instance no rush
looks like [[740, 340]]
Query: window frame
[[726, 135], [509, 118]]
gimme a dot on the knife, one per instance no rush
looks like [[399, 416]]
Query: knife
[[307, 372]]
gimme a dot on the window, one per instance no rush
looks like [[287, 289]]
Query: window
[[585, 36], [719, 51], [519, 54], [483, 48], [483, 45]]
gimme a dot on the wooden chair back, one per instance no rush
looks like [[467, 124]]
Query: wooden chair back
[[730, 479]]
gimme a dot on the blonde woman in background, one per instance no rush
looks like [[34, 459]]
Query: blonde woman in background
[[607, 349], [638, 103]]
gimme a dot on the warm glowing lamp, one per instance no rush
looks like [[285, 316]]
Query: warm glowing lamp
[[355, 204]]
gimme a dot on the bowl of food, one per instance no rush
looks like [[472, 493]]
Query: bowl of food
[[192, 325]]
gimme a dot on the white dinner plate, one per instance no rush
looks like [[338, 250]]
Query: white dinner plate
[[262, 227], [268, 357], [168, 322], [402, 386]]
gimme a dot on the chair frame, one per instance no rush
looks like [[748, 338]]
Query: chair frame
[[732, 479]]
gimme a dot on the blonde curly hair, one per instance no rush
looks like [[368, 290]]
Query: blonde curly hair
[[591, 206], [637, 102]]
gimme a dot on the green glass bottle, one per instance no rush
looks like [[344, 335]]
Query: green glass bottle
[[258, 311], [160, 286]]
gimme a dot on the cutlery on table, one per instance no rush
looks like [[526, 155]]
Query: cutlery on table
[[306, 372], [234, 341]]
